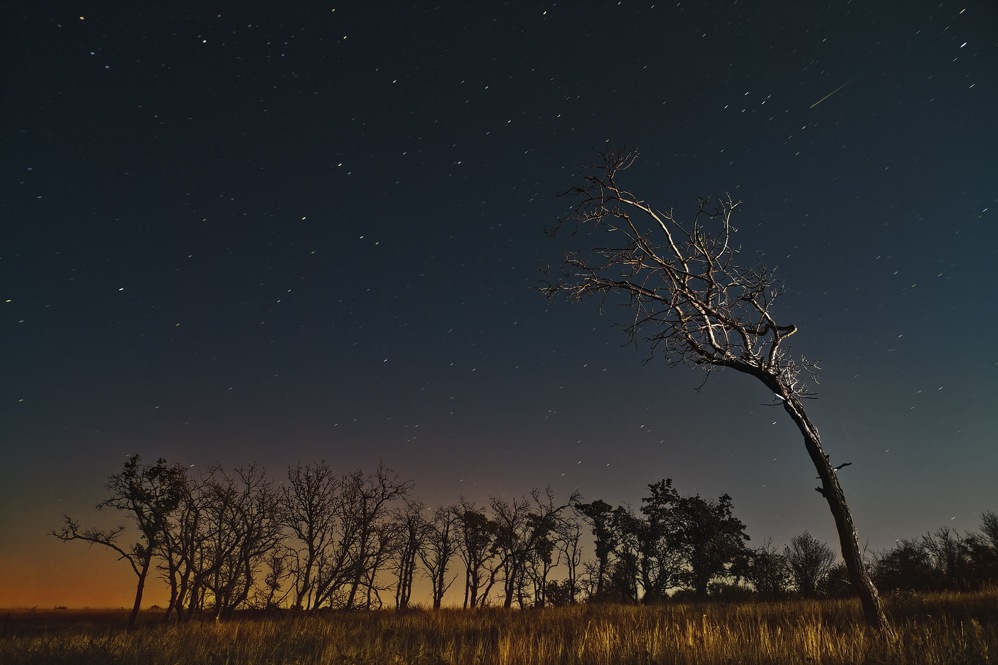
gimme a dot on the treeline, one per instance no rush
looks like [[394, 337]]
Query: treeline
[[225, 540]]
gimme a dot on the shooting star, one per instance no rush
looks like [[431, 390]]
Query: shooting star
[[834, 91]]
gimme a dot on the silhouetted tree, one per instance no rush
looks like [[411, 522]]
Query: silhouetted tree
[[569, 532], [410, 527], [983, 551], [599, 515], [475, 537], [439, 546], [989, 529], [769, 572], [224, 535], [634, 561], [810, 561], [364, 509], [272, 595], [349, 523], [660, 558], [309, 502], [705, 534], [693, 303], [512, 545], [950, 555], [837, 583], [644, 566], [149, 495], [522, 530], [245, 504], [906, 566], [560, 593], [179, 549], [545, 522]]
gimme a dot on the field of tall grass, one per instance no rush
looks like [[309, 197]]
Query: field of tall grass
[[933, 629]]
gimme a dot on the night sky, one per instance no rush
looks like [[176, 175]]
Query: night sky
[[283, 232]]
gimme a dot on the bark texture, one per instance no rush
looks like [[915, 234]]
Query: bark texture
[[692, 302]]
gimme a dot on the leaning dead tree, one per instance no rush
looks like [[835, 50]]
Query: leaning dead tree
[[691, 300]]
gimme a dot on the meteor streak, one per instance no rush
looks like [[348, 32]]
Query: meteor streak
[[834, 91]]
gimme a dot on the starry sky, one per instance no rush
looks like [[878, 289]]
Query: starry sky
[[283, 232]]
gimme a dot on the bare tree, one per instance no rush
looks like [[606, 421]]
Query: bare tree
[[567, 543], [410, 527], [438, 549], [989, 529], [149, 494], [522, 539], [694, 304], [362, 543], [272, 595], [544, 521], [983, 549], [370, 506], [184, 551], [810, 561], [475, 538], [308, 509], [950, 556], [243, 527], [512, 545], [385, 542], [223, 537]]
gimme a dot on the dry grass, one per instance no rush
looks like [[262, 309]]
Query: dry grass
[[938, 629]]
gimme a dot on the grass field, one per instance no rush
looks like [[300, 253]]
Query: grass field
[[943, 628]]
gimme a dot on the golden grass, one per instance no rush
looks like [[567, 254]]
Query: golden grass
[[934, 630]]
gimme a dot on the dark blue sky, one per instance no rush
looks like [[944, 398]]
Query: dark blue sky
[[236, 231]]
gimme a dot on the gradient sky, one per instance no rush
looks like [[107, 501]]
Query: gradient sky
[[236, 232]]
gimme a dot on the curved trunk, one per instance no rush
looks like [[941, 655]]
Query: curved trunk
[[832, 491], [143, 572]]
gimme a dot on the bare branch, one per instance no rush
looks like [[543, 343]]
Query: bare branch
[[690, 300]]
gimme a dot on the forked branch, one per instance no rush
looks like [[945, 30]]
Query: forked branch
[[691, 298]]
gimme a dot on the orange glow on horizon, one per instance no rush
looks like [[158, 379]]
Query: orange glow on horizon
[[51, 575]]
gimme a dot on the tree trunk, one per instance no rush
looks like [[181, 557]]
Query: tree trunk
[[139, 588], [351, 597], [832, 491]]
